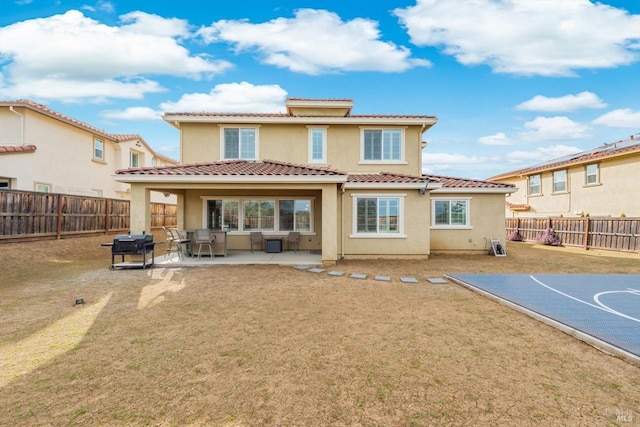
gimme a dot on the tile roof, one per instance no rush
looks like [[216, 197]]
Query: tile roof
[[518, 206], [451, 182], [321, 99], [285, 115], [385, 178], [234, 167], [11, 149], [49, 112], [619, 148]]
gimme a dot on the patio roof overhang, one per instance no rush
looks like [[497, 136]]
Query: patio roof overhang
[[229, 179]]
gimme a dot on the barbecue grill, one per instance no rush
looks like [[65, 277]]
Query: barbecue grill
[[132, 244]]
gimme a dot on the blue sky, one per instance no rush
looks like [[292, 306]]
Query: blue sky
[[512, 82]]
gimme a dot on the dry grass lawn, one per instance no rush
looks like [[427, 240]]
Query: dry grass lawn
[[275, 346]]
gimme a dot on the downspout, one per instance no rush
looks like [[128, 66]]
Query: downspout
[[342, 221], [21, 124]]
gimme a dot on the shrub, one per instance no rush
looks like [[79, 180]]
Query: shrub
[[549, 238], [515, 236]]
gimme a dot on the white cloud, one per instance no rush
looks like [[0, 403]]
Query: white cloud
[[102, 5], [623, 118], [540, 154], [497, 139], [315, 42], [72, 56], [544, 129], [563, 103], [133, 113], [530, 37], [232, 97]]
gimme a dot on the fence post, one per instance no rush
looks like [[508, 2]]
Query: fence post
[[107, 217], [586, 233], [59, 218]]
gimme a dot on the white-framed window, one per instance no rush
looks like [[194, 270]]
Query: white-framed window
[[560, 181], [239, 143], [260, 214], [382, 145], [154, 161], [450, 213], [592, 174], [378, 215], [534, 185], [42, 187], [317, 144], [134, 159], [5, 183], [98, 149]]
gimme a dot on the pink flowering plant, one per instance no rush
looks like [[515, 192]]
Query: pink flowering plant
[[515, 236], [549, 238]]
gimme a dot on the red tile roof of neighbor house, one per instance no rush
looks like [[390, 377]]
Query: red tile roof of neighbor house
[[13, 149], [614, 149], [451, 182], [518, 206]]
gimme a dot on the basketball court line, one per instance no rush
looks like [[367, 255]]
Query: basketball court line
[[601, 310]]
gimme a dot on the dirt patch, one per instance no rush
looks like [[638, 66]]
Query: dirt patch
[[272, 345]]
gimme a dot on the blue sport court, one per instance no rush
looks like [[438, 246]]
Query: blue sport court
[[601, 309]]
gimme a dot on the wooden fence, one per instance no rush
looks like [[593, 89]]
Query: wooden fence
[[617, 234], [27, 214]]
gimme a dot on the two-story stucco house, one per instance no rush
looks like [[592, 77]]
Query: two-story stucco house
[[350, 184], [44, 150], [604, 181]]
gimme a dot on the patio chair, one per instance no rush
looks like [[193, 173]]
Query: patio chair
[[202, 238], [256, 237], [169, 238], [181, 241], [293, 239]]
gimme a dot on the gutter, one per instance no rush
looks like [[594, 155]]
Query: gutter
[[21, 124]]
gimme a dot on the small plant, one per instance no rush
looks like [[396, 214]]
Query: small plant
[[515, 236], [549, 238], [622, 215]]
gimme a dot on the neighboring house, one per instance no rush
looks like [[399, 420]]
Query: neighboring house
[[604, 181], [43, 150], [350, 184]]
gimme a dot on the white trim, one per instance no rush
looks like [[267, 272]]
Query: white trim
[[354, 216], [466, 226], [400, 161], [324, 145], [222, 141]]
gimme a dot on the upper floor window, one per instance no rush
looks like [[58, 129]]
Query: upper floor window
[[382, 145], [98, 149], [534, 185], [5, 183], [240, 144], [450, 213], [592, 175], [377, 215], [560, 181], [317, 145], [134, 159], [154, 161]]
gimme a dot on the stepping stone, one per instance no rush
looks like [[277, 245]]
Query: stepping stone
[[302, 267], [358, 276], [437, 281], [336, 273], [316, 270], [383, 278], [409, 280]]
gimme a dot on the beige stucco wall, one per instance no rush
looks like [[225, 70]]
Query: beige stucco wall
[[486, 218], [617, 192], [64, 157], [290, 143]]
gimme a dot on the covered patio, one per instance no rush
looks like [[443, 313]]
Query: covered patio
[[240, 257]]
